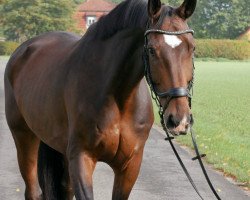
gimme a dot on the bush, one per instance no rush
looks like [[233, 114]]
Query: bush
[[230, 49], [7, 48], [205, 48]]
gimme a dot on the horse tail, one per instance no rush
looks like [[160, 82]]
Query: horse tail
[[50, 172]]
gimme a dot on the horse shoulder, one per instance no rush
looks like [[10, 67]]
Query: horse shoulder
[[139, 115]]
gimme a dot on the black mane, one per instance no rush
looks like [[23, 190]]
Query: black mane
[[128, 14]]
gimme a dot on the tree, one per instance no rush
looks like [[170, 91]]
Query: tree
[[217, 18], [79, 1], [22, 20], [221, 18]]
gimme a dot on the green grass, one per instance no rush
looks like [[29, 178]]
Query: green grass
[[221, 108]]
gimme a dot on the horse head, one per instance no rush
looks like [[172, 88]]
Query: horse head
[[170, 48]]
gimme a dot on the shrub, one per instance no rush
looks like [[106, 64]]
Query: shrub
[[230, 49], [7, 48], [205, 48]]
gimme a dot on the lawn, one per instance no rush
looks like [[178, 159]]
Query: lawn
[[221, 108]]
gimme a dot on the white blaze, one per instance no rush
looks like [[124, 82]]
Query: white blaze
[[172, 40]]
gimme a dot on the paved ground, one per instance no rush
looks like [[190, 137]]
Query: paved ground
[[160, 178]]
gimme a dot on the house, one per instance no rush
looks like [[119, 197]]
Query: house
[[91, 10], [245, 35]]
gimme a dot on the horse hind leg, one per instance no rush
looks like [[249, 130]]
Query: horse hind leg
[[53, 174], [26, 144], [125, 177], [27, 147]]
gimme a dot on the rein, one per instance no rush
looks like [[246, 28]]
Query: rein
[[169, 95]]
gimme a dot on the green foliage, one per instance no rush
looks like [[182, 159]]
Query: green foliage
[[217, 18], [221, 18], [1, 33], [171, 2], [117, 1], [230, 49], [25, 19], [20, 20], [7, 48], [78, 1]]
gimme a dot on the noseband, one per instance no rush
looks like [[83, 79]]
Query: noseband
[[173, 92]]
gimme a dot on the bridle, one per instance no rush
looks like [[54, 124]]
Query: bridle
[[169, 95], [173, 92]]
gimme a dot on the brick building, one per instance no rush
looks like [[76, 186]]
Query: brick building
[[91, 10]]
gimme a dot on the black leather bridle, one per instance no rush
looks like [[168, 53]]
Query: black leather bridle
[[169, 95]]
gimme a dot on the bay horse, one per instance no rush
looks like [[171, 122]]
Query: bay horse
[[72, 101]]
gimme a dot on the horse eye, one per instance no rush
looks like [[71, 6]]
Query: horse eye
[[151, 51]]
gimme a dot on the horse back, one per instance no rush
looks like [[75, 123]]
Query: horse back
[[40, 51]]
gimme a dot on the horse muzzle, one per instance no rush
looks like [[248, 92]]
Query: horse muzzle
[[178, 126]]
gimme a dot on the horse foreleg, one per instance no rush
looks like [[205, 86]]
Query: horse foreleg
[[66, 184], [125, 177], [81, 167]]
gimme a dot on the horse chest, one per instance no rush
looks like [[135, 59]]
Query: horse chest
[[120, 141]]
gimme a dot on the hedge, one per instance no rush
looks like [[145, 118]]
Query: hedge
[[230, 49], [207, 48], [7, 48]]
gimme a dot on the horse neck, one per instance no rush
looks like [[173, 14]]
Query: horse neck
[[117, 40], [129, 67], [115, 64]]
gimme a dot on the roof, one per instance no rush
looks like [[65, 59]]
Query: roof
[[96, 6]]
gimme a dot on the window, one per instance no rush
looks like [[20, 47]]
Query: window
[[90, 20]]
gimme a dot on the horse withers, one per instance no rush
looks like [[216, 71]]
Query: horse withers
[[71, 101]]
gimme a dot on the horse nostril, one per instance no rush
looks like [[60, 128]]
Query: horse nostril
[[172, 122]]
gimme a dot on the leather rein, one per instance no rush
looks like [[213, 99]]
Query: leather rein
[[169, 95]]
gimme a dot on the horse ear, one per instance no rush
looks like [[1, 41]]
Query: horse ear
[[154, 7], [186, 9]]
